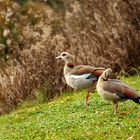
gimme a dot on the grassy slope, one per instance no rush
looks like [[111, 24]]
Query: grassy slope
[[66, 119]]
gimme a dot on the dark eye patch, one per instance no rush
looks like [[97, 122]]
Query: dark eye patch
[[63, 54]]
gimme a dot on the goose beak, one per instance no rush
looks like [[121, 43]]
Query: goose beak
[[58, 57]]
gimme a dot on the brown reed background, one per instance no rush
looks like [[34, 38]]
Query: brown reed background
[[32, 33]]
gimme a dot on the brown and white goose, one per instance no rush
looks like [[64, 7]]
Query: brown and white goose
[[81, 76], [114, 90]]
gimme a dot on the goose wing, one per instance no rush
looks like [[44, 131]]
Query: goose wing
[[120, 89], [88, 70]]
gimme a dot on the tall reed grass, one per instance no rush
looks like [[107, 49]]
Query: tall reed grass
[[97, 32]]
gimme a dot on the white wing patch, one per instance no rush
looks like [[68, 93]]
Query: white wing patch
[[83, 76]]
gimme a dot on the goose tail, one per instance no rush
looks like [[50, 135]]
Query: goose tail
[[137, 100]]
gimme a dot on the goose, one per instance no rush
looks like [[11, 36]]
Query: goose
[[115, 90], [80, 76]]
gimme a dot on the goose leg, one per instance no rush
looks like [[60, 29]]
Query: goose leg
[[86, 101], [94, 86], [88, 94], [115, 107]]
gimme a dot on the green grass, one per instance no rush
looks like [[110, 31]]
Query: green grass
[[66, 119]]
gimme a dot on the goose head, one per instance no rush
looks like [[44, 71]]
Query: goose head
[[106, 74], [65, 56]]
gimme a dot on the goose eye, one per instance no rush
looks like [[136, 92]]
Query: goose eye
[[63, 54]]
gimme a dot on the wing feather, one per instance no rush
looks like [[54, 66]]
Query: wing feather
[[86, 69], [121, 89]]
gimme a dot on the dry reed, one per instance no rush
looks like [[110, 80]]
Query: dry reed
[[100, 33]]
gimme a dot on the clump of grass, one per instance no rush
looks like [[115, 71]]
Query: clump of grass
[[15, 15], [19, 81], [29, 69]]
